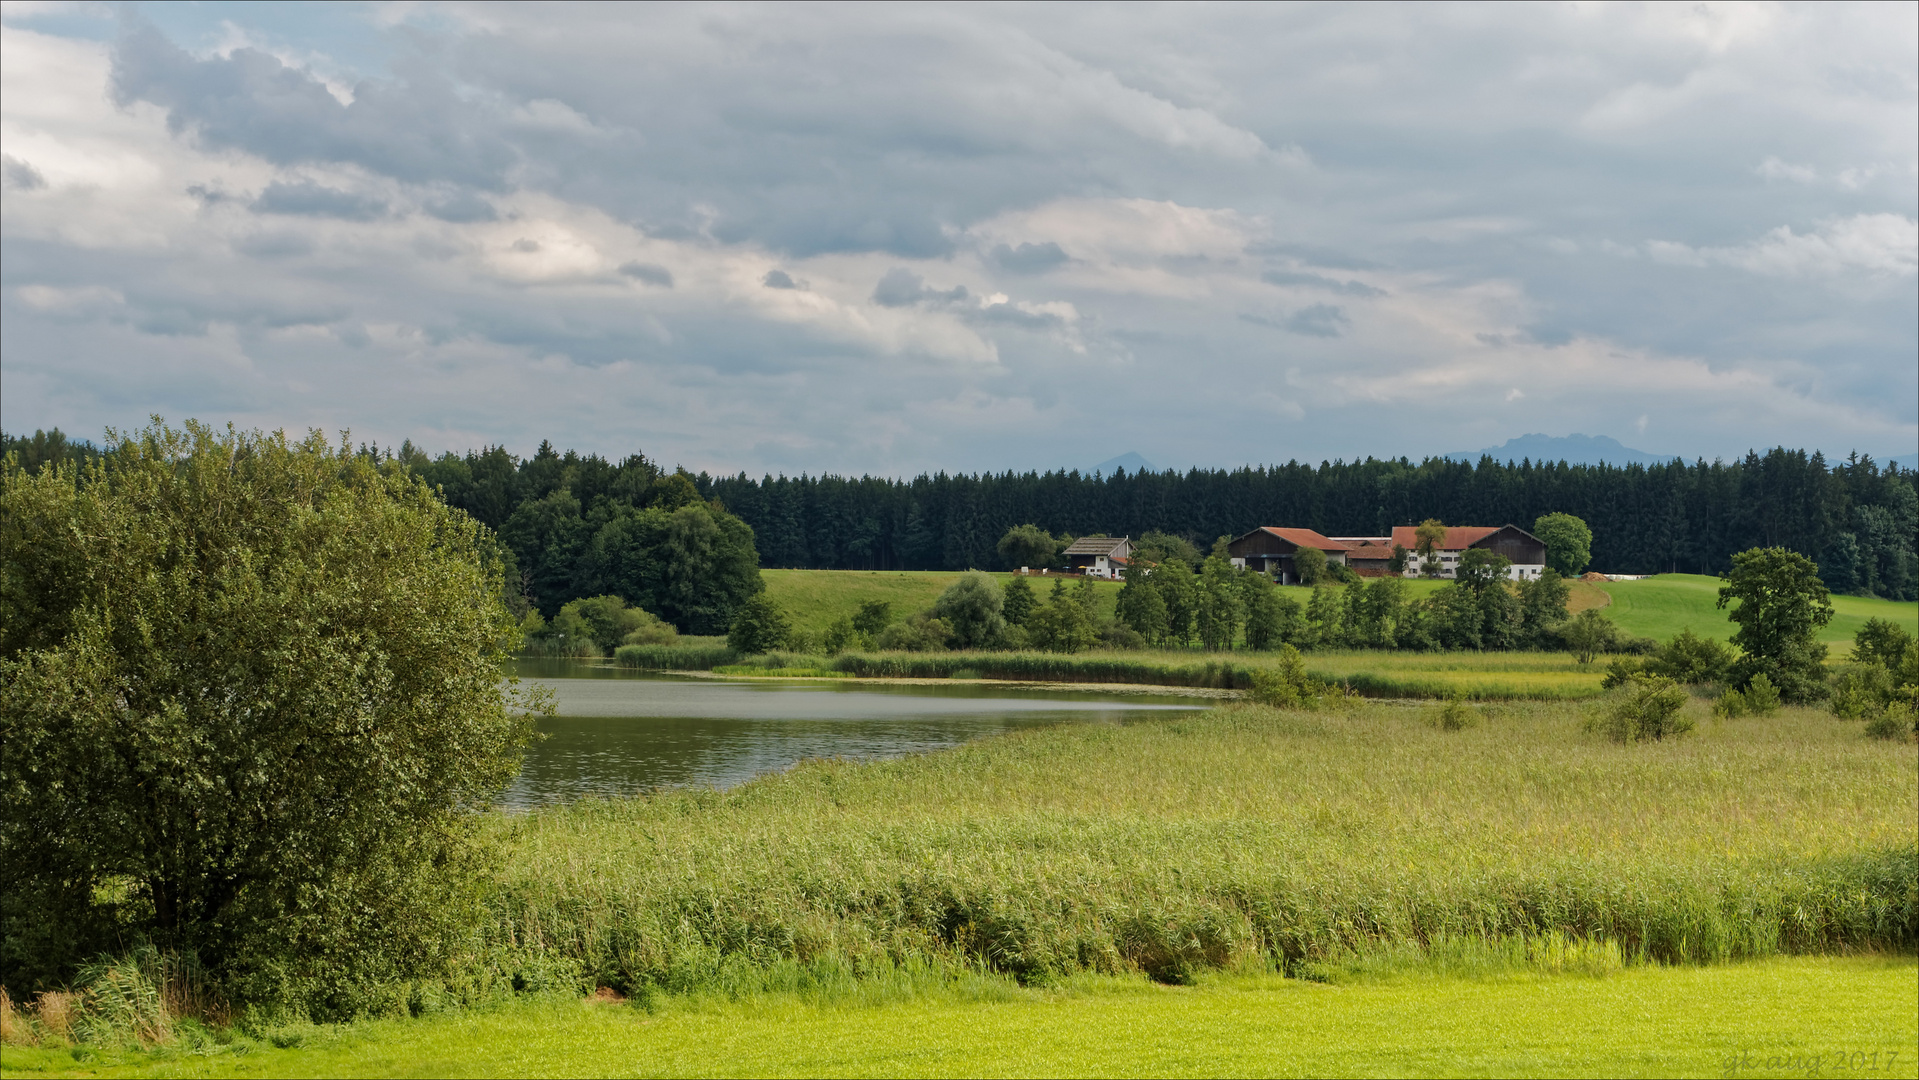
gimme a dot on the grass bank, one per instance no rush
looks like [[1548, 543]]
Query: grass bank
[[1242, 836], [1478, 676], [1824, 1016], [1662, 606]]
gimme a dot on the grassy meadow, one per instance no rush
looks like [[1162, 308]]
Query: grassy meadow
[[1243, 836], [1662, 606], [1823, 1016], [1245, 890], [814, 598]]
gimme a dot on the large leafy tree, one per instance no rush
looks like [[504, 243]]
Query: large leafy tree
[[250, 696], [974, 607], [1028, 545], [1781, 604], [1568, 540]]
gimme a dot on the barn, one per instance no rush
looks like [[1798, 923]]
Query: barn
[[1526, 551], [1270, 549]]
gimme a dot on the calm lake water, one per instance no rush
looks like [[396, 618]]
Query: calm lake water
[[620, 731]]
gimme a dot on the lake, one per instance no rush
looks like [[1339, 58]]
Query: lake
[[619, 731]]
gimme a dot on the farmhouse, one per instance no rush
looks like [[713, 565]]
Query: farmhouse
[[1369, 556], [1527, 552], [1099, 556], [1270, 549]]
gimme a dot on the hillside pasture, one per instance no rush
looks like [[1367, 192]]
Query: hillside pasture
[[1662, 606]]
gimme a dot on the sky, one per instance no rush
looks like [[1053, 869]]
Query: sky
[[893, 239]]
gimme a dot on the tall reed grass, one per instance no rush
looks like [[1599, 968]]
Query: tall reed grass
[[1244, 836]]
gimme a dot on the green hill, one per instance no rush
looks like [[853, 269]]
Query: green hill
[[1659, 607]]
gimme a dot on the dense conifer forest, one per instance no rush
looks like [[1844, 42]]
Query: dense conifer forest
[[1855, 518]]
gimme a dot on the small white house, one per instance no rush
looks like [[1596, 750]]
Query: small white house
[[1099, 556]]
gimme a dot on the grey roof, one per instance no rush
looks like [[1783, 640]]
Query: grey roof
[[1096, 545]]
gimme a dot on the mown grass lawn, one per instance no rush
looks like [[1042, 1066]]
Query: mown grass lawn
[[1662, 606], [1819, 1016]]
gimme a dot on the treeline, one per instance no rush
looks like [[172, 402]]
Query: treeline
[[1856, 519]]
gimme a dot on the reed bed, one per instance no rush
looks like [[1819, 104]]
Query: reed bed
[[1245, 835]]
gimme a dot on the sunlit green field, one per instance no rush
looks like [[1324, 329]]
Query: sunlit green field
[[814, 598], [1662, 606], [1819, 1016], [1656, 607]]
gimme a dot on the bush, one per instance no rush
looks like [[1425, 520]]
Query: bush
[[1620, 672], [921, 633], [1061, 625], [1285, 684], [759, 626], [250, 698], [1689, 658], [1880, 641], [1730, 705], [1588, 634], [1649, 709], [1455, 714], [972, 607], [1899, 719], [1762, 698], [1860, 691]]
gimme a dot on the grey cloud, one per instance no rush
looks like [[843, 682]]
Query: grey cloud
[[313, 200], [1316, 281], [1448, 148], [653, 275], [903, 288], [419, 131], [1029, 258], [465, 208], [779, 279], [19, 175], [1320, 320], [525, 246], [1009, 315], [273, 245]]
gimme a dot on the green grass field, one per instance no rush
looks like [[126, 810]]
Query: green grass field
[[1656, 607], [814, 598], [1820, 1016], [1662, 606]]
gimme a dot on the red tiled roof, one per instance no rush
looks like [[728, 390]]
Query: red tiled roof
[[1458, 537], [1305, 538]]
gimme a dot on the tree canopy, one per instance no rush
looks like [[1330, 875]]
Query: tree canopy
[[1780, 606], [250, 695]]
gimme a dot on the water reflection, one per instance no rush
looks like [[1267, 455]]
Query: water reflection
[[619, 732]]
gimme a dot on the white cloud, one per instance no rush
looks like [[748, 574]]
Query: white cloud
[[1881, 244]]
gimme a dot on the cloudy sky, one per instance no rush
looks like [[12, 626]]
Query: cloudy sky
[[888, 239]]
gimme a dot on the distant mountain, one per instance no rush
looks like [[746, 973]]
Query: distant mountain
[[1573, 449], [1129, 461]]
